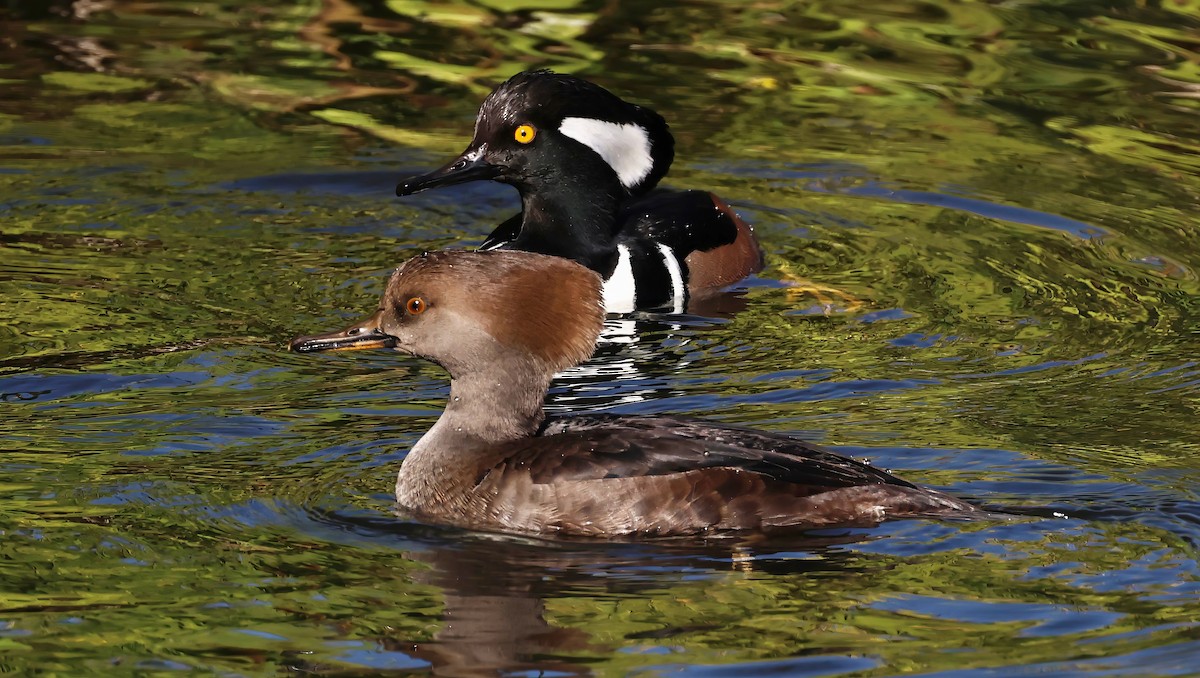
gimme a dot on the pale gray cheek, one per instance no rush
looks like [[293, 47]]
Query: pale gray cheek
[[404, 339]]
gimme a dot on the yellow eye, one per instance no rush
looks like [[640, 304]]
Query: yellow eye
[[416, 306], [525, 134]]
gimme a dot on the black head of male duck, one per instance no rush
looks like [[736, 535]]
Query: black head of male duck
[[629, 140], [584, 162], [502, 324]]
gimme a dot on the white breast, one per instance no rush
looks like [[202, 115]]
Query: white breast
[[620, 293]]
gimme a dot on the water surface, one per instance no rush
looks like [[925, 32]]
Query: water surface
[[980, 226]]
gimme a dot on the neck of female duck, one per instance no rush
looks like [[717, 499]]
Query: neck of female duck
[[484, 410]]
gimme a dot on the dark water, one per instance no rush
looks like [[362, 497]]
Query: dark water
[[981, 226]]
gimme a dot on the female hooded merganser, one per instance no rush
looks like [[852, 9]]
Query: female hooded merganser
[[583, 161], [502, 324]]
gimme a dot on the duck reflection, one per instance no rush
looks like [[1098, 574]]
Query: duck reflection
[[630, 364], [496, 592], [495, 588]]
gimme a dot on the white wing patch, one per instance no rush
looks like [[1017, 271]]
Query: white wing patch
[[676, 276], [626, 148], [620, 292]]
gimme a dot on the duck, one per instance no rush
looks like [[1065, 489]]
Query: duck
[[502, 323], [586, 164]]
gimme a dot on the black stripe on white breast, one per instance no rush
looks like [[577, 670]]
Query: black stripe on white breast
[[659, 284]]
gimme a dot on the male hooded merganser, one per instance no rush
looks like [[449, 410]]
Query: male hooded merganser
[[584, 162], [502, 324]]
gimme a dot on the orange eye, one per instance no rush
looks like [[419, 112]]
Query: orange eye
[[525, 134], [415, 306]]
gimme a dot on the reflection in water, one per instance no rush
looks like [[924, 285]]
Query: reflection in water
[[626, 355], [494, 589]]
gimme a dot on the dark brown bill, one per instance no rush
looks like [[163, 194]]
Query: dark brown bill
[[457, 171], [363, 334]]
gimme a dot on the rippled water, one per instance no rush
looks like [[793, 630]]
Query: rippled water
[[980, 222]]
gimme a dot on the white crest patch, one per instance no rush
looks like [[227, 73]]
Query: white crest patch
[[620, 292], [626, 148]]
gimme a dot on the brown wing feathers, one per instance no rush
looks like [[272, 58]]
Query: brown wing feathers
[[649, 446]]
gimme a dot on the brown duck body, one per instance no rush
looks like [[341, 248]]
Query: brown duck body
[[502, 323], [600, 476]]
